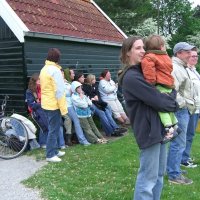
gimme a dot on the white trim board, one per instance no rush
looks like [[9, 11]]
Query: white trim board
[[12, 20]]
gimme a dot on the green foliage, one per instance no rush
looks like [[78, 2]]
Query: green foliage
[[104, 171], [127, 14], [175, 20], [194, 39], [148, 27]]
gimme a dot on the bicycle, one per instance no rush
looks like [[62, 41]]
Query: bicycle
[[13, 135]]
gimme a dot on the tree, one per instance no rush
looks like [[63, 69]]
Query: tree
[[127, 14], [148, 27], [171, 14], [173, 19]]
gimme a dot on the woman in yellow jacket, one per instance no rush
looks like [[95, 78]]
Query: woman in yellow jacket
[[53, 101]]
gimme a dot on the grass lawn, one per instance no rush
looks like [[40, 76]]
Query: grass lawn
[[104, 171]]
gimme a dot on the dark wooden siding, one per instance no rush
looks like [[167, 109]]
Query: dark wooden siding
[[12, 72], [89, 58]]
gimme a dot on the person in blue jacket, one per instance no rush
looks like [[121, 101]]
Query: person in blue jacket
[[33, 98]]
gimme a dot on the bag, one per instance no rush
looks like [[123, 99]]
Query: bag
[[14, 143]]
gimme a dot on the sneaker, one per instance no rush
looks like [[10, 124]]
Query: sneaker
[[191, 160], [63, 147], [177, 129], [53, 159], [189, 164], [87, 144], [166, 139], [117, 133], [101, 141], [127, 122], [43, 146], [121, 130], [104, 140], [181, 180], [34, 144], [184, 172], [60, 153]]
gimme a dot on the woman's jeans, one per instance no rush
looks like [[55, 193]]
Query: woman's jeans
[[54, 122], [107, 121], [177, 146], [79, 132], [189, 136], [149, 182], [44, 134], [61, 140], [43, 137]]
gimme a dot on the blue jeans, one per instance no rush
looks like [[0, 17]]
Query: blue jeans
[[54, 122], [108, 113], [61, 140], [149, 182], [44, 134], [107, 122], [43, 137], [189, 136], [77, 126], [177, 146]]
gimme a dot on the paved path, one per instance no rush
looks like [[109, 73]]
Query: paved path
[[12, 172]]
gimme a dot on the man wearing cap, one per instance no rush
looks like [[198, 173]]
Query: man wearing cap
[[185, 100]]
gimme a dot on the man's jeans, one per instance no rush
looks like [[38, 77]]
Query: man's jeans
[[149, 181], [107, 121], [54, 122], [177, 146], [79, 132], [189, 136]]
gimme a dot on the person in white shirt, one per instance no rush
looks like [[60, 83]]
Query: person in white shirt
[[195, 77], [108, 93]]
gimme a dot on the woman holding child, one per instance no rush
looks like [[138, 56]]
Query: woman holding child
[[143, 102]]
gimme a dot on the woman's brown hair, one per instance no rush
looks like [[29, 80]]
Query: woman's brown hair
[[32, 82], [54, 55], [104, 72], [126, 47]]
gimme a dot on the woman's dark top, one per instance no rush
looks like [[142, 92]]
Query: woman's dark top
[[91, 91], [143, 102]]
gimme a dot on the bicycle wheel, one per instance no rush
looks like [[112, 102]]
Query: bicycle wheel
[[13, 138]]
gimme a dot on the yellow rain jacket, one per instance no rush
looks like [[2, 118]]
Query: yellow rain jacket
[[52, 88]]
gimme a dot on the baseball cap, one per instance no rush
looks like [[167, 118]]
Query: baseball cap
[[182, 46]]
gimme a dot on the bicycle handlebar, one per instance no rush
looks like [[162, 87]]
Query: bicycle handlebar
[[3, 105]]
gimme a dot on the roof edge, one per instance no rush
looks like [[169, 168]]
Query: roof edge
[[108, 18], [69, 38], [12, 20]]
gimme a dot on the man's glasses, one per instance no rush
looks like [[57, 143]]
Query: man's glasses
[[195, 56]]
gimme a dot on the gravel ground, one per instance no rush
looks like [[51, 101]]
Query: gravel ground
[[12, 172]]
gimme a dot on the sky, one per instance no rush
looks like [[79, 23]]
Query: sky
[[196, 2]]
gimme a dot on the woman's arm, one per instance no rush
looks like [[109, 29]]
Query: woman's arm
[[138, 89], [79, 102], [107, 87], [31, 101]]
